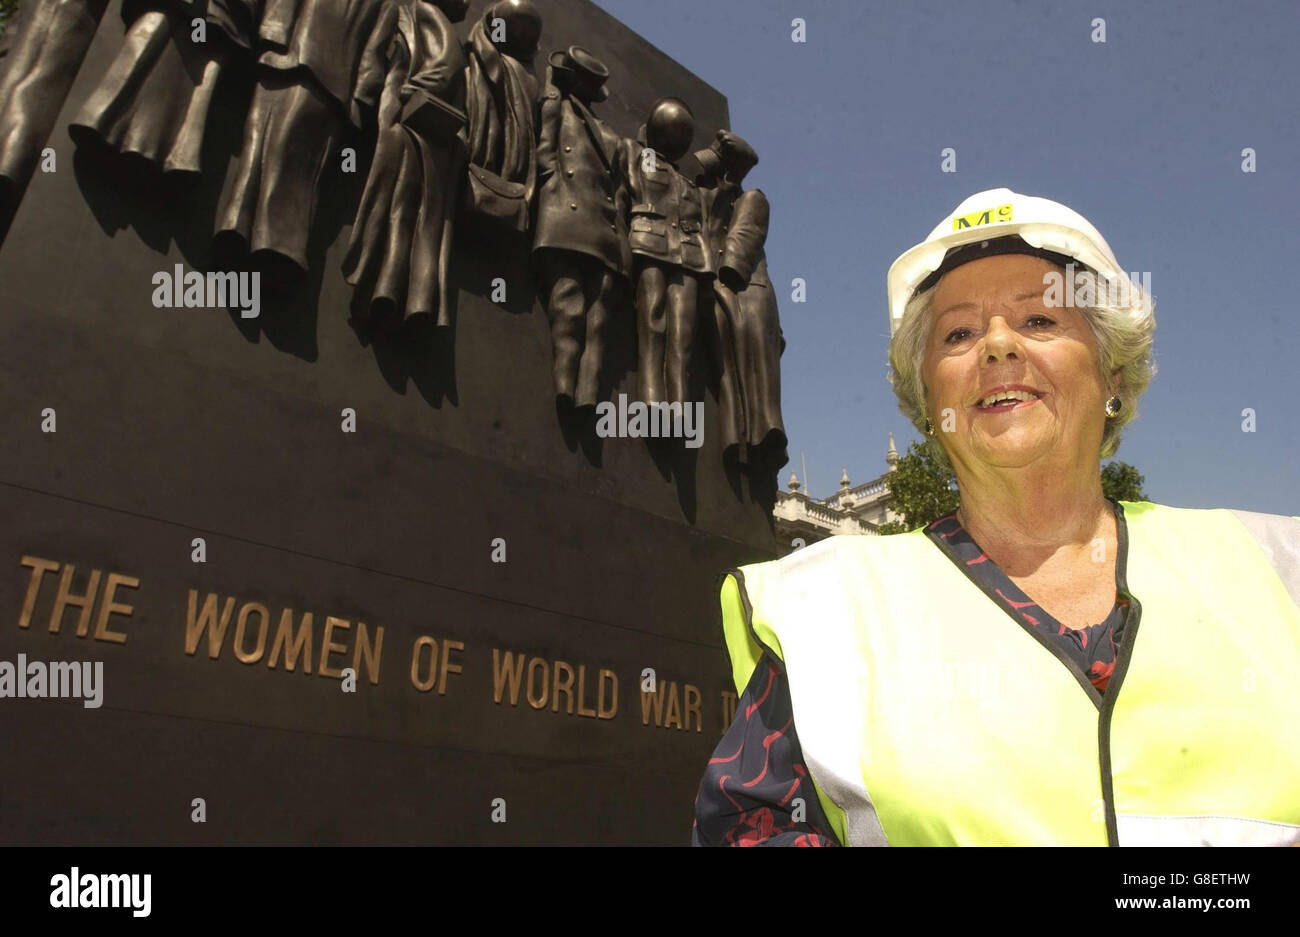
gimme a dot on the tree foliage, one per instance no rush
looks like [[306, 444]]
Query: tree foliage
[[923, 490], [1123, 482], [7, 10]]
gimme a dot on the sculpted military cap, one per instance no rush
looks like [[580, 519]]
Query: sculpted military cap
[[728, 155], [587, 72]]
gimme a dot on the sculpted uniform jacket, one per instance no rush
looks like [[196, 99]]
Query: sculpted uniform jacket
[[666, 215], [582, 195]]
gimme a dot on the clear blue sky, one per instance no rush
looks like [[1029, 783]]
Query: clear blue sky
[[1142, 135]]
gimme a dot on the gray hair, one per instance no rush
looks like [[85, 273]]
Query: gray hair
[[1124, 326]]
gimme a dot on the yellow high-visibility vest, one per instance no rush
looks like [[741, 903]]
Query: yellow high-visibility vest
[[928, 716]]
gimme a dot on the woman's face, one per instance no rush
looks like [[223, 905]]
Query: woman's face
[[991, 327]]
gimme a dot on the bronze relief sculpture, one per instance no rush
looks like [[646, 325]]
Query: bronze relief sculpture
[[671, 261], [323, 83], [49, 41], [501, 95], [402, 236], [580, 246], [461, 136], [746, 340], [153, 101]]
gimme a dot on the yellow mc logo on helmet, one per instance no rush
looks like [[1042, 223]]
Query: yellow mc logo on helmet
[[999, 215]]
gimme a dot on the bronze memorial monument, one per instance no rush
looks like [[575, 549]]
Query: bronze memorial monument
[[313, 318]]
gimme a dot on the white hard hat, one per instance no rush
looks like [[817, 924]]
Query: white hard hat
[[1046, 228]]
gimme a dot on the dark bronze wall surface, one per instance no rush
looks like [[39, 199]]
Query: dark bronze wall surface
[[181, 423]]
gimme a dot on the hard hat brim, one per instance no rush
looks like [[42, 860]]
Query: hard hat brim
[[911, 270]]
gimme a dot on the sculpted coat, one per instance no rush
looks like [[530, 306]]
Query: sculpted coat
[[746, 341], [580, 245], [47, 42], [154, 99], [340, 43], [328, 77], [582, 173], [401, 238], [746, 297], [501, 96]]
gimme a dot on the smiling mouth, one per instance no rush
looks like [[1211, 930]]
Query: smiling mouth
[[1007, 400]]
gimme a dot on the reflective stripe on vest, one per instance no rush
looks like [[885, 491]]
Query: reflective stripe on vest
[[927, 715]]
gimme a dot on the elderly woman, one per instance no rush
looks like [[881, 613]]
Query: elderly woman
[[1045, 665]]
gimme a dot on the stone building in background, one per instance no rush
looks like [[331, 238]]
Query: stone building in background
[[853, 509]]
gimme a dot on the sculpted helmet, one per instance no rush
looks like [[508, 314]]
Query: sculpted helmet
[[523, 27], [670, 128], [581, 73]]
